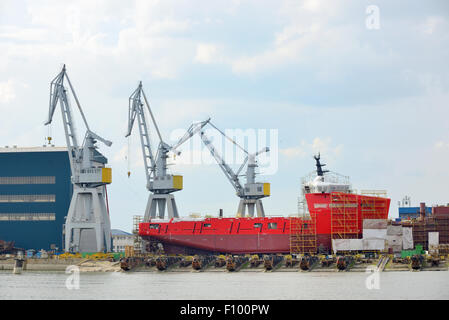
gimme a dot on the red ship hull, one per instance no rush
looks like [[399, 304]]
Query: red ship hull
[[268, 234]]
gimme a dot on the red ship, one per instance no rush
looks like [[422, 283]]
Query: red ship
[[331, 211]]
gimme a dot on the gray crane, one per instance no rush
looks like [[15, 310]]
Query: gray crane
[[252, 192], [159, 182], [87, 226]]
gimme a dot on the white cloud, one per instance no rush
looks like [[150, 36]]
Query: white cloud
[[293, 152], [22, 34], [322, 145], [207, 53], [441, 145], [432, 24], [300, 33], [7, 92]]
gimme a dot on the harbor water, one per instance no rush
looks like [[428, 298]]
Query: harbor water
[[241, 285]]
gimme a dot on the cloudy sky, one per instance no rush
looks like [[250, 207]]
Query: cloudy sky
[[372, 100]]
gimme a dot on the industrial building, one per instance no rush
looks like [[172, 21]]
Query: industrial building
[[35, 194], [121, 239], [412, 212]]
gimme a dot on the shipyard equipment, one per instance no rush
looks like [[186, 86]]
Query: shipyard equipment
[[200, 262], [249, 193], [417, 261], [344, 262], [87, 227], [290, 260], [164, 262], [307, 262], [129, 263], [159, 182], [254, 261], [271, 261], [235, 262], [19, 262], [327, 261], [186, 261], [220, 261], [6, 246]]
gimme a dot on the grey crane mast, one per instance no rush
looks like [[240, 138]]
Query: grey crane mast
[[159, 182], [252, 192], [87, 227]]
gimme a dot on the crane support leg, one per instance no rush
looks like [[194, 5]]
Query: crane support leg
[[87, 226], [250, 209], [259, 208], [251, 204], [157, 203], [242, 208]]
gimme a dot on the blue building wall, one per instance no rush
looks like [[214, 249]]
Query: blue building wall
[[412, 212], [53, 165]]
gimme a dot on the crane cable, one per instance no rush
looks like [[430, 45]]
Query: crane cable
[[49, 134], [233, 141], [128, 156]]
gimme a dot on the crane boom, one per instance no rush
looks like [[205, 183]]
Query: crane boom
[[229, 173], [193, 129], [252, 191], [136, 110], [58, 94]]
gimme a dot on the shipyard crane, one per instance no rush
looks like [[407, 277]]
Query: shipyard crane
[[159, 182], [251, 192], [87, 226]]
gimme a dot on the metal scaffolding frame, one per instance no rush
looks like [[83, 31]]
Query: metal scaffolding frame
[[303, 235], [138, 241], [344, 216], [422, 227]]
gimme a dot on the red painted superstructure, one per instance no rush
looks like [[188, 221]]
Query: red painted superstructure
[[333, 215]]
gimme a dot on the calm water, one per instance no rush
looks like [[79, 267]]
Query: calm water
[[213, 285]]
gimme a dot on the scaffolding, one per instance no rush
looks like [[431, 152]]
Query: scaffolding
[[422, 227], [344, 216], [138, 241], [303, 235], [442, 226]]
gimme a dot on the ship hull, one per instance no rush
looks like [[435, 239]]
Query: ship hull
[[260, 235], [233, 244]]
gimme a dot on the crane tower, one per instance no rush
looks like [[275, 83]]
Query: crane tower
[[159, 182], [87, 227]]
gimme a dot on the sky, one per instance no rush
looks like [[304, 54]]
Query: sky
[[365, 83]]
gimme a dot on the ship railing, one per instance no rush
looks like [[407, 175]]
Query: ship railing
[[331, 177], [375, 193], [158, 220]]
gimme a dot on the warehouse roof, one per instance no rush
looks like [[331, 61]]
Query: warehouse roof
[[117, 232], [7, 149]]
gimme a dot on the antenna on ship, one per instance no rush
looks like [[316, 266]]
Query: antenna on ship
[[319, 166]]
